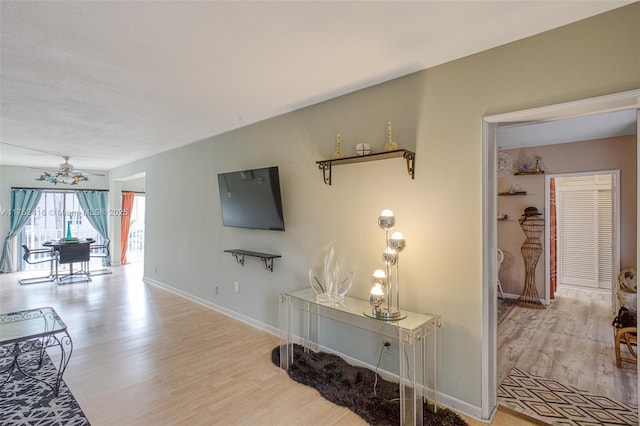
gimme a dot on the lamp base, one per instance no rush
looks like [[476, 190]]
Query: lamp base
[[386, 315]]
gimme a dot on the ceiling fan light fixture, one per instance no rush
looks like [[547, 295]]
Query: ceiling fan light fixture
[[64, 178], [65, 175]]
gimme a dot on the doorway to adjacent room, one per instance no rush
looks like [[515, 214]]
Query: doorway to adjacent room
[[617, 102]]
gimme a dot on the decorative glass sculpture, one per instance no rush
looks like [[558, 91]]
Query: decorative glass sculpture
[[325, 279]]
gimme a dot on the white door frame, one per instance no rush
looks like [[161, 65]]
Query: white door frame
[[608, 103], [615, 261]]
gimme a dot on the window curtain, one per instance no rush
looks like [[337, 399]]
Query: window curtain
[[127, 205], [94, 206], [553, 240], [23, 204]]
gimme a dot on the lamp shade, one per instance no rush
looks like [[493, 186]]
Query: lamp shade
[[376, 295], [397, 242], [379, 277], [390, 257], [386, 219]]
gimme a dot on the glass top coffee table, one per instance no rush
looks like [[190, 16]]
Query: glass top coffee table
[[24, 338]]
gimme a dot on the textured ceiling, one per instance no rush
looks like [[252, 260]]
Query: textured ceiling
[[113, 82]]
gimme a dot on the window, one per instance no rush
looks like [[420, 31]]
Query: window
[[135, 244], [51, 221]]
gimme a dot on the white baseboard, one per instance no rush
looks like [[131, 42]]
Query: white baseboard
[[463, 408], [232, 314], [511, 296], [445, 400], [517, 296]]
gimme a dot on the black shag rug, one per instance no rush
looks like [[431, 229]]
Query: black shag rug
[[352, 387], [24, 401]]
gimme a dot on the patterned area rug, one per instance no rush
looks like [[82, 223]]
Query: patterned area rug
[[557, 404], [25, 401]]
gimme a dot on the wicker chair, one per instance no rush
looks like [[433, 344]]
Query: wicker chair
[[627, 336]]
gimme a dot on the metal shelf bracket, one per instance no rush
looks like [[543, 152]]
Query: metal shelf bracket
[[266, 258]]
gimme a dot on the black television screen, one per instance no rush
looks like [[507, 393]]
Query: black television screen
[[251, 199]]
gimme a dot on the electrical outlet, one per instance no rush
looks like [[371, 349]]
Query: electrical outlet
[[387, 346], [236, 287]]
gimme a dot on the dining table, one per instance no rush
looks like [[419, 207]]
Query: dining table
[[70, 251]]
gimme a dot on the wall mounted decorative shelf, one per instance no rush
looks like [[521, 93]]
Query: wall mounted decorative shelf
[[266, 258], [512, 193], [409, 156], [528, 173]]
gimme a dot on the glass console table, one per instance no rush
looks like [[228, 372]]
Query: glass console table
[[417, 335]]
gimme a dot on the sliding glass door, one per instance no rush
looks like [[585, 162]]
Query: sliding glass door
[[51, 220]]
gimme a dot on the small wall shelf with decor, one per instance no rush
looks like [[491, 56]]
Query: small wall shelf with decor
[[266, 258], [512, 193], [409, 156], [528, 173]]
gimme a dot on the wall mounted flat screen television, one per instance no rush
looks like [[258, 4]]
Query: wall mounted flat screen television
[[251, 199]]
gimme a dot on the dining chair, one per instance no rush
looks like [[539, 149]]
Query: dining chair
[[35, 257], [101, 251]]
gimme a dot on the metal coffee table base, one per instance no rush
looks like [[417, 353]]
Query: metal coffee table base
[[34, 331]]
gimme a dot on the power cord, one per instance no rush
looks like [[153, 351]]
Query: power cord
[[375, 384]]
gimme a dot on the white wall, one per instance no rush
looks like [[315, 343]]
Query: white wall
[[438, 112], [134, 185]]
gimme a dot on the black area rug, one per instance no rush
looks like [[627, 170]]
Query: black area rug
[[25, 401], [352, 387]]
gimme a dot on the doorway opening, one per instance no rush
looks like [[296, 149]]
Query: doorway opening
[[617, 102], [133, 250], [129, 199]]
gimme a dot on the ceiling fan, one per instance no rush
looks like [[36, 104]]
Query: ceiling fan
[[65, 174]]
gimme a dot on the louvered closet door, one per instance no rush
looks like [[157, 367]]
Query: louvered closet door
[[585, 229], [578, 233], [605, 239]]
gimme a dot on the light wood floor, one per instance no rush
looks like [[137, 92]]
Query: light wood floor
[[571, 342], [144, 356]]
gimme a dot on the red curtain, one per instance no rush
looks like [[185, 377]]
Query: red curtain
[[127, 205], [553, 257]]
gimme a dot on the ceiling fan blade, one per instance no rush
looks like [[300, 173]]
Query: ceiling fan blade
[[35, 169]]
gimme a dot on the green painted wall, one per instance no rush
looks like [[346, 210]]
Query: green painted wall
[[438, 112]]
